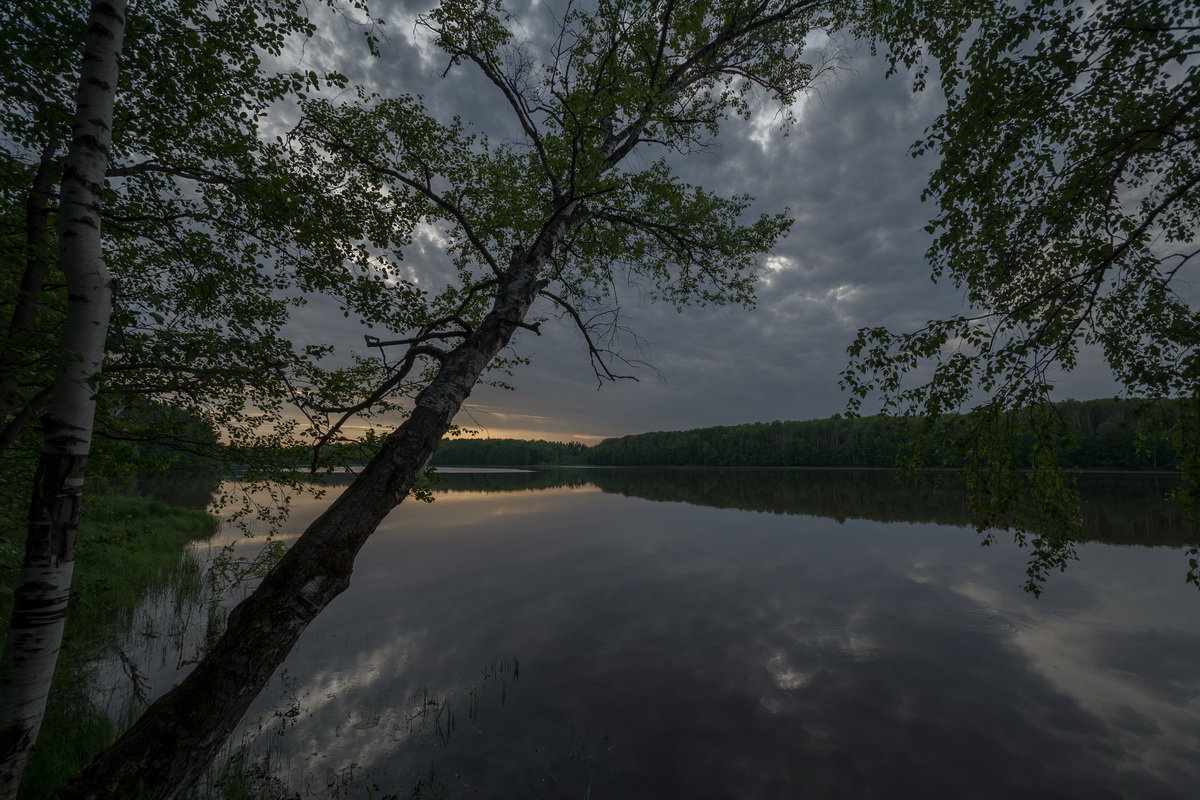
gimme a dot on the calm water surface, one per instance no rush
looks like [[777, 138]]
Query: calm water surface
[[621, 634]]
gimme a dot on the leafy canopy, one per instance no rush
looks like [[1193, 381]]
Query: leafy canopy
[[609, 78], [1068, 204], [216, 226]]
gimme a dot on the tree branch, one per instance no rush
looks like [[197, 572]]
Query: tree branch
[[195, 174], [597, 355], [425, 190]]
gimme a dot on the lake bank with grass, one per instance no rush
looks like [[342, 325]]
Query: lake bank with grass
[[128, 546]]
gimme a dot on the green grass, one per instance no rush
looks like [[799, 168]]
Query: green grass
[[73, 732], [127, 547]]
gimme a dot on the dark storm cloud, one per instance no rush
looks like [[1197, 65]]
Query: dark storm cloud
[[855, 255]]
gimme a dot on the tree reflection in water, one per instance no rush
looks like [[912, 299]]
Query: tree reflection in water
[[848, 642]]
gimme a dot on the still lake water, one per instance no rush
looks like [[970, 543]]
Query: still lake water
[[711, 634]]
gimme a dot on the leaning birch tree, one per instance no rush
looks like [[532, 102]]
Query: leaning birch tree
[[41, 593], [548, 225]]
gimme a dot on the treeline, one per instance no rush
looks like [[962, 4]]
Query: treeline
[[834, 442], [484, 452], [1101, 434]]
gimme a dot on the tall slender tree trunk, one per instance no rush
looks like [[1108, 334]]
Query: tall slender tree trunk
[[40, 596], [178, 736], [21, 327]]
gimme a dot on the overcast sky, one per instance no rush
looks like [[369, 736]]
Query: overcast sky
[[854, 257]]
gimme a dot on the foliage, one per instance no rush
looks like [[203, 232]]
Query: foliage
[[612, 78], [1068, 197], [216, 227]]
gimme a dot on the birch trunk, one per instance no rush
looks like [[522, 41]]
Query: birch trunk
[[178, 736], [40, 596]]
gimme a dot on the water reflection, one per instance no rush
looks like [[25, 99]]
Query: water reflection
[[1119, 509], [851, 643]]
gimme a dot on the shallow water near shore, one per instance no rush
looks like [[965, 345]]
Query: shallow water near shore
[[706, 634]]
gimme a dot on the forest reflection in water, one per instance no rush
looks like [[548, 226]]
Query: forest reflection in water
[[1127, 508], [561, 633]]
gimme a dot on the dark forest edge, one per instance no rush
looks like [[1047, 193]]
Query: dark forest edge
[[1106, 434]]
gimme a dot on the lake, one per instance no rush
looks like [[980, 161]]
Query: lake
[[725, 634]]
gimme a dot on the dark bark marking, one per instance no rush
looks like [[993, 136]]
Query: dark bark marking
[[54, 509], [107, 10], [52, 424], [33, 618]]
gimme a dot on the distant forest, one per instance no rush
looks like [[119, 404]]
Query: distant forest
[[1105, 434]]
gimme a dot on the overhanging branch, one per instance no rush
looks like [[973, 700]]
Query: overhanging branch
[[598, 356]]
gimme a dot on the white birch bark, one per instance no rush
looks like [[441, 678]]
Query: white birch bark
[[40, 596]]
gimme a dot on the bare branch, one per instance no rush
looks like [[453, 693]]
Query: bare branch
[[347, 412], [520, 106], [373, 341], [598, 356]]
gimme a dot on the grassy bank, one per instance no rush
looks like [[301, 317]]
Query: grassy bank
[[128, 546]]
